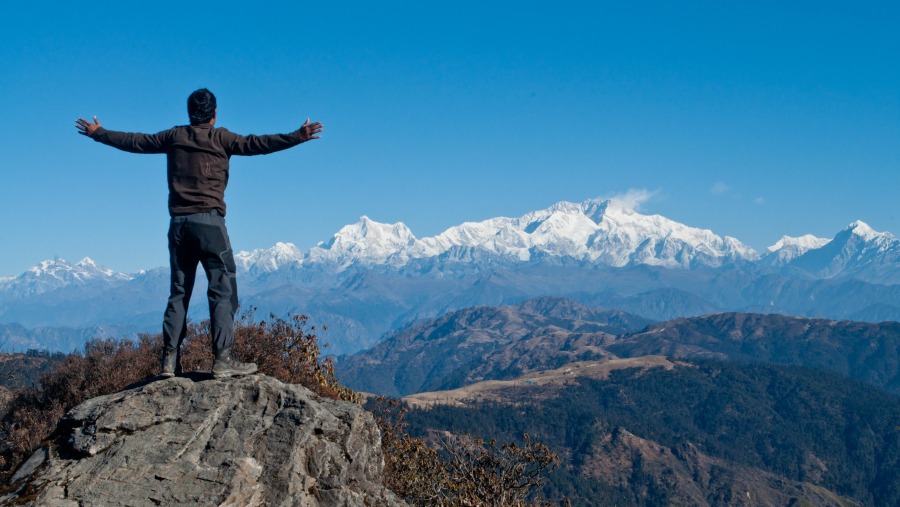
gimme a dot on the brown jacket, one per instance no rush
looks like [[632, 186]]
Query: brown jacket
[[197, 159]]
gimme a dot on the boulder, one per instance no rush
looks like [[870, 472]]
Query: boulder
[[251, 441]]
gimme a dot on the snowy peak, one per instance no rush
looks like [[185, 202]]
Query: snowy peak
[[56, 273], [366, 241], [269, 259], [802, 243], [82, 271], [858, 251], [859, 238], [372, 234], [626, 237], [789, 248], [88, 267], [862, 230]]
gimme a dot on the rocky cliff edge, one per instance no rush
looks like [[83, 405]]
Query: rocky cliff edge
[[252, 441]]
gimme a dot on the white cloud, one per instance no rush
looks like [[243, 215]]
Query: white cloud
[[719, 188], [632, 199], [760, 200]]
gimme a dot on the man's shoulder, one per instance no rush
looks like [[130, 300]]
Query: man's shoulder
[[215, 131], [175, 129], [223, 133]]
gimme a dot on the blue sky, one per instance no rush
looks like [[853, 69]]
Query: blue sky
[[751, 120]]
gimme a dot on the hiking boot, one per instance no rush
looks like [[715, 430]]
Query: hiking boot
[[226, 366], [171, 364]]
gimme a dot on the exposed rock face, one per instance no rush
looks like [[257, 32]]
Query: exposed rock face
[[252, 441]]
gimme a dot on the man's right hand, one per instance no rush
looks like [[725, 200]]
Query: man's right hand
[[87, 128]]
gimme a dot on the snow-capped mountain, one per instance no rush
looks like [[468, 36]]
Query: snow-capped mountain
[[593, 231], [372, 277], [268, 260], [53, 274], [857, 251], [366, 242], [788, 249]]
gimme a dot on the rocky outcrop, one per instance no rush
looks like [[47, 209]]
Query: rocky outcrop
[[252, 441]]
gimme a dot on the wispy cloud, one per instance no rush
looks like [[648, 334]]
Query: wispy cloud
[[760, 200], [633, 198], [719, 188]]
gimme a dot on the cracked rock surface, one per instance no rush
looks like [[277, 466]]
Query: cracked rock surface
[[251, 441]]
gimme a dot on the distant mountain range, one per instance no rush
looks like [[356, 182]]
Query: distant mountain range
[[594, 232], [499, 343], [372, 278]]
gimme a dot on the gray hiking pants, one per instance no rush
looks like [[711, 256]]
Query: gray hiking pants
[[201, 238]]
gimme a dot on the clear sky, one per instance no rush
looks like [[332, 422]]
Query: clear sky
[[753, 120]]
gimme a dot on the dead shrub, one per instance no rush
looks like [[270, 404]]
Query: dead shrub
[[289, 350], [106, 366], [283, 348], [460, 471], [412, 469]]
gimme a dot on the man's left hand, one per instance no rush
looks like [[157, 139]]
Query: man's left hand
[[309, 130]]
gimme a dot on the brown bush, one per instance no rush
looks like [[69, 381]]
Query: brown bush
[[412, 469], [461, 471], [106, 366], [284, 349]]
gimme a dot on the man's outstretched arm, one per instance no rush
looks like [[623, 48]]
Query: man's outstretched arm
[[134, 143], [260, 145]]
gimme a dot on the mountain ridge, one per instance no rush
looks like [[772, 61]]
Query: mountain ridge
[[501, 343], [594, 231], [372, 278], [484, 343]]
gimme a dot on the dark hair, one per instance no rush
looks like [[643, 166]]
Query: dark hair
[[201, 106]]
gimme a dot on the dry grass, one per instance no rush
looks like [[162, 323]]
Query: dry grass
[[532, 385]]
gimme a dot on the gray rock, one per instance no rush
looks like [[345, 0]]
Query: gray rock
[[252, 441]]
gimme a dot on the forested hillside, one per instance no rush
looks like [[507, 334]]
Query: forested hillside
[[726, 431]]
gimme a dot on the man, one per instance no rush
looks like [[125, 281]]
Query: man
[[197, 160]]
